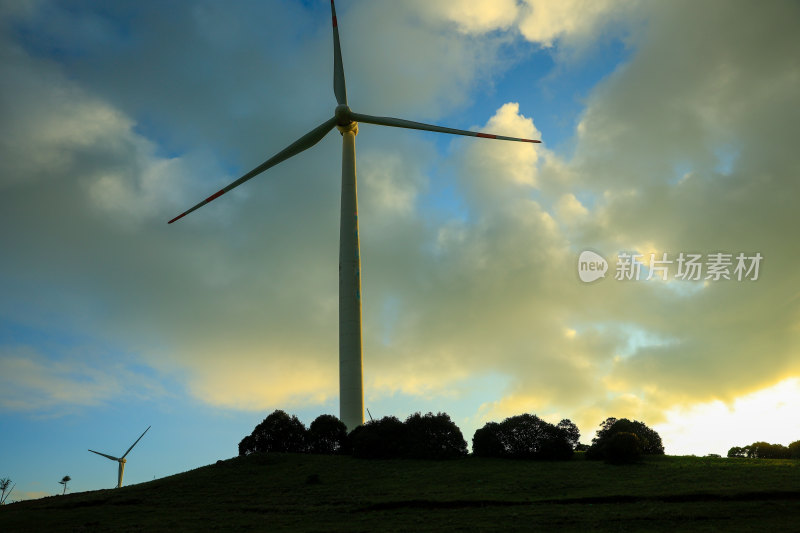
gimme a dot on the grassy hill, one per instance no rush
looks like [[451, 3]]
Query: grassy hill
[[285, 492]]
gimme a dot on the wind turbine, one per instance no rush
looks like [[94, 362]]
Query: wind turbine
[[121, 460], [351, 389]]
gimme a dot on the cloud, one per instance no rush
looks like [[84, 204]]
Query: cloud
[[572, 20], [33, 382], [686, 147], [472, 16]]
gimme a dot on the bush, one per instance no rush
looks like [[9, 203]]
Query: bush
[[433, 437], [327, 435], [525, 437], [649, 440], [622, 448]]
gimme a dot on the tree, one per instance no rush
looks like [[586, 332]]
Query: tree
[[384, 438], [556, 443], [521, 435], [279, 432], [623, 447], [524, 436], [736, 451], [247, 445], [327, 434], [433, 437], [4, 483], [487, 441], [794, 450], [649, 439], [527, 436], [765, 450], [571, 431], [64, 481]]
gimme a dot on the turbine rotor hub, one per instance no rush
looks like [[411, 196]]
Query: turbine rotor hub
[[343, 115]]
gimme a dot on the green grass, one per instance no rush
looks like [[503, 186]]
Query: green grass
[[284, 492]]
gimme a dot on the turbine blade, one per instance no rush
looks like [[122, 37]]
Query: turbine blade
[[134, 444], [400, 123], [104, 455], [339, 88], [303, 143]]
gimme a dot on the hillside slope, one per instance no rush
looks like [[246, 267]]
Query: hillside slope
[[284, 492]]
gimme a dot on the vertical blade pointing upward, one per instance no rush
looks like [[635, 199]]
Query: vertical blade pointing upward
[[339, 88], [134, 444]]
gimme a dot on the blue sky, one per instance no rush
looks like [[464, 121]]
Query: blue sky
[[666, 128]]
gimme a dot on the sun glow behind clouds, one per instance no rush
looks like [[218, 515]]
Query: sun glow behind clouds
[[767, 415]]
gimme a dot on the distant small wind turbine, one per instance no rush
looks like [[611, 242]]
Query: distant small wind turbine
[[351, 387], [121, 460]]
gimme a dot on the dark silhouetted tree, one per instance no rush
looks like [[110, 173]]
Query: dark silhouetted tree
[[279, 432], [247, 445], [384, 438], [487, 441], [649, 439], [433, 437], [523, 436], [527, 436], [327, 434], [4, 483], [555, 444], [794, 450], [623, 447], [765, 450], [571, 431], [736, 451], [64, 481]]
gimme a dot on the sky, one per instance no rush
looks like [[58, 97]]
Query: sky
[[666, 127]]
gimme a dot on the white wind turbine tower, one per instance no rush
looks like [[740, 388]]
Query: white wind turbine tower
[[121, 460], [351, 392]]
